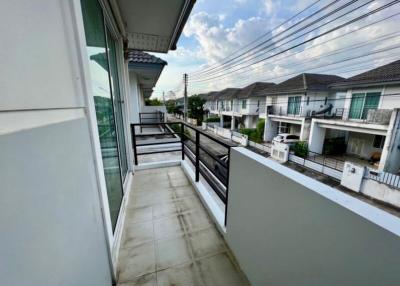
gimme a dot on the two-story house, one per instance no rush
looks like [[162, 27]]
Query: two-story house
[[291, 104], [365, 115]]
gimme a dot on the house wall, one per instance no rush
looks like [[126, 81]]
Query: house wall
[[289, 229], [390, 102], [50, 204], [134, 98], [361, 144]]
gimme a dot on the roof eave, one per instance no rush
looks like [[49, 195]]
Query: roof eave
[[186, 10]]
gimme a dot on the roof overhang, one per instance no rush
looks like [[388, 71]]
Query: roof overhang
[[344, 85], [359, 127], [147, 75], [153, 25]]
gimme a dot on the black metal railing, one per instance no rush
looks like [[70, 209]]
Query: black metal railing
[[365, 115], [209, 155], [151, 117]]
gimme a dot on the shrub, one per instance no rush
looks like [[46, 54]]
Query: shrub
[[301, 149], [252, 134], [260, 127], [213, 119]]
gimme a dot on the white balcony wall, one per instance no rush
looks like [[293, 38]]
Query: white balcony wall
[[289, 229], [390, 101], [134, 98], [50, 206]]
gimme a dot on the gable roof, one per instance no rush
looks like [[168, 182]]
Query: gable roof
[[383, 74], [139, 57], [302, 83], [254, 89], [227, 93]]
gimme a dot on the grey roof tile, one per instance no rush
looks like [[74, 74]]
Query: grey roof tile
[[135, 56]]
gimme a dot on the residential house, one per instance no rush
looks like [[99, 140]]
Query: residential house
[[365, 115], [291, 103], [250, 104], [79, 206]]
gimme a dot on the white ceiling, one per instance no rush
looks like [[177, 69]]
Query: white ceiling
[[151, 24]]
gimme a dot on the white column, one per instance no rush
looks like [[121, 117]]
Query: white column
[[221, 121], [233, 123], [317, 137], [390, 158], [270, 129]]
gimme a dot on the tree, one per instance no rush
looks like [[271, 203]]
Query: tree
[[153, 102], [170, 104], [195, 108]]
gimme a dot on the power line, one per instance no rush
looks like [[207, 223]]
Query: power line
[[338, 51], [262, 51], [310, 39], [265, 34], [320, 66]]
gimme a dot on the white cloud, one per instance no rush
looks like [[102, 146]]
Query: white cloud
[[216, 41]]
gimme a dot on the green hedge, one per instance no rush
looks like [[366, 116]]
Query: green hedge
[[301, 149], [252, 134], [213, 119]]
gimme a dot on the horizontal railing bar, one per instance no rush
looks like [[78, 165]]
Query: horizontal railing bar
[[214, 157], [203, 170], [219, 141], [161, 151], [156, 134], [157, 143]]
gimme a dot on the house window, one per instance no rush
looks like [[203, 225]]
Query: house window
[[244, 104], [362, 103], [379, 141], [294, 105]]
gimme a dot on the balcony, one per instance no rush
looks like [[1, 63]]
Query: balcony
[[364, 115], [205, 208], [169, 238]]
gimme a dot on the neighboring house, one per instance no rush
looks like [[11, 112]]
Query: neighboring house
[[366, 116], [250, 103], [144, 71], [66, 153], [239, 106], [291, 103]]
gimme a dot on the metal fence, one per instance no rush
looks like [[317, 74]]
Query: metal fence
[[383, 177], [209, 155]]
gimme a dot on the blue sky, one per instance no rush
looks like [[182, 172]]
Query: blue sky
[[215, 29]]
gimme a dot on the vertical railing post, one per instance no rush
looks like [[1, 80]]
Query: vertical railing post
[[182, 140], [134, 144], [197, 155], [227, 185]]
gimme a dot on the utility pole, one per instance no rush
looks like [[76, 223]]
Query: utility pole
[[185, 99], [163, 97]]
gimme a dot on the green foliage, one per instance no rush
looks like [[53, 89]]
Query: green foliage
[[335, 146], [195, 108], [153, 102], [170, 105], [252, 133], [213, 119], [301, 149], [260, 126]]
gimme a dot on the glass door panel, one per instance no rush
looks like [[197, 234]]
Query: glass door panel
[[99, 70], [117, 102], [371, 103], [356, 106]]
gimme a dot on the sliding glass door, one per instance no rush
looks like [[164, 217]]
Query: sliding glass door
[[101, 49], [362, 103]]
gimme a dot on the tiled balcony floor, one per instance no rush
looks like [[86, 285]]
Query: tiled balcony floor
[[169, 238]]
